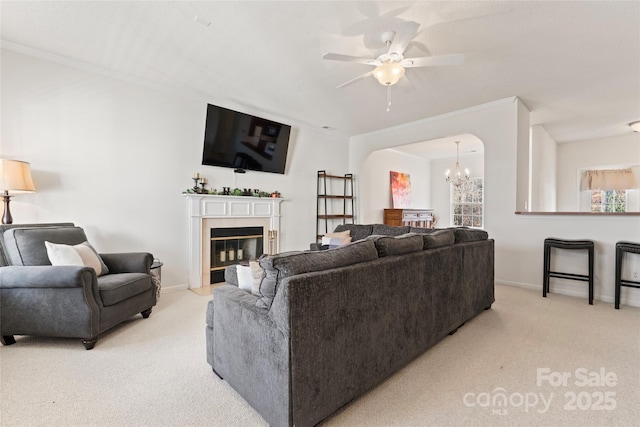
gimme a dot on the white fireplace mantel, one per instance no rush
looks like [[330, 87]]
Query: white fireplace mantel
[[205, 206]]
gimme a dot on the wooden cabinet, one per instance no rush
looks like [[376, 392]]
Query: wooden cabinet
[[422, 218], [335, 203]]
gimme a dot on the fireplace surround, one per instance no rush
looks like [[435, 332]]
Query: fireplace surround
[[207, 212]]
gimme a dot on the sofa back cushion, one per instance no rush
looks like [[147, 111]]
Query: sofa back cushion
[[464, 234], [438, 238], [420, 230], [358, 231], [389, 230], [25, 246], [397, 245], [280, 266]]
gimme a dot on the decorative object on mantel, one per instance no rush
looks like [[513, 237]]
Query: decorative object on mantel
[[200, 188], [15, 177], [196, 178], [458, 179]]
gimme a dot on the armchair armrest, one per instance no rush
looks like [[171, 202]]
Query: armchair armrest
[[47, 276], [130, 262]]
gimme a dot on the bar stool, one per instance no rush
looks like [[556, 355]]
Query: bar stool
[[567, 244], [621, 248]]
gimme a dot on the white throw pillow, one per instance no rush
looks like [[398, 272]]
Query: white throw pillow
[[63, 254], [245, 279], [83, 255], [334, 240]]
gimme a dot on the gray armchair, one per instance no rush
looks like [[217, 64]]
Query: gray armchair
[[39, 299]]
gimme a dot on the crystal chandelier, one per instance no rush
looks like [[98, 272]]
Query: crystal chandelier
[[457, 179]]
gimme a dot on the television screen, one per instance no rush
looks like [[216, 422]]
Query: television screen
[[244, 142]]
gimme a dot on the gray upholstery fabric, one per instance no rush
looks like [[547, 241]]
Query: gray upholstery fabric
[[37, 298], [115, 288], [358, 231], [231, 275], [398, 245], [4, 259], [420, 230], [389, 230], [278, 267], [25, 246], [334, 333], [253, 356], [128, 262], [464, 234], [438, 238]]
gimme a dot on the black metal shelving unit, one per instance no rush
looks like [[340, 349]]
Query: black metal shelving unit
[[327, 211]]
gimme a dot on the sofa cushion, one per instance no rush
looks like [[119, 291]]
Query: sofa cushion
[[438, 238], [118, 287], [358, 231], [465, 234], [389, 230], [280, 266], [419, 230], [83, 255], [25, 246], [397, 245]]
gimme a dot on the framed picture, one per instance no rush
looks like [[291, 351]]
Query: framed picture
[[400, 190]]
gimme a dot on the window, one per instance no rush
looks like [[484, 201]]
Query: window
[[608, 200], [467, 203]]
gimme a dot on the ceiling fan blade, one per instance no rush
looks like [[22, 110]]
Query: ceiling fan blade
[[433, 61], [348, 58], [355, 79], [405, 33]]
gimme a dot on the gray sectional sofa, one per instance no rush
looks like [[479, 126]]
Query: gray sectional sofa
[[330, 325]]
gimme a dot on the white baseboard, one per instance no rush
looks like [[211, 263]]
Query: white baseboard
[[632, 297], [174, 288]]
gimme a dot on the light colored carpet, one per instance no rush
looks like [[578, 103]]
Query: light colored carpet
[[153, 372]]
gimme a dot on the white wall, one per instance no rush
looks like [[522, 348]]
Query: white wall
[[114, 157], [619, 152], [543, 171], [503, 126], [375, 183], [440, 190]]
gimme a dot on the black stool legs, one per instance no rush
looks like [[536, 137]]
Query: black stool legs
[[567, 244], [621, 248]]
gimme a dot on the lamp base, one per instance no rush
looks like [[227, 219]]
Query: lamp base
[[6, 217]]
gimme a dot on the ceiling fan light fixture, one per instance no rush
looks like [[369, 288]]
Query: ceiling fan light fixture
[[388, 73]]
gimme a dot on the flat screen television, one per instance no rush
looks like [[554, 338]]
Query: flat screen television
[[244, 142]]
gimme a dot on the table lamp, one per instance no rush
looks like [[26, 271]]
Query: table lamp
[[15, 177]]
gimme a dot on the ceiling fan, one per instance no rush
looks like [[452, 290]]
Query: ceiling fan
[[390, 65]]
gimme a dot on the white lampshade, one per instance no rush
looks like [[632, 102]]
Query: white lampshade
[[15, 177], [388, 73]]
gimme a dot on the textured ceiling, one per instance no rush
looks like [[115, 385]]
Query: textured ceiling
[[575, 65]]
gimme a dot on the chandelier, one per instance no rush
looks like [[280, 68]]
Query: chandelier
[[457, 179]]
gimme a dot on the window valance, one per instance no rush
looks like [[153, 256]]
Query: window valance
[[609, 179]]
